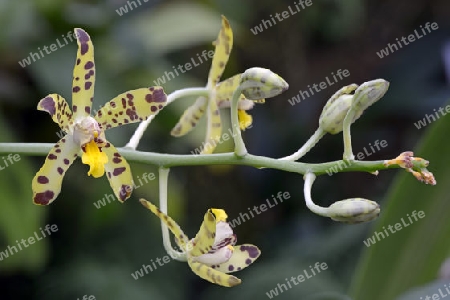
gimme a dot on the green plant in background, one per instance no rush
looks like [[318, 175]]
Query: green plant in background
[[85, 136]]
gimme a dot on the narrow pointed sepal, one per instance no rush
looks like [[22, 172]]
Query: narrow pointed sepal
[[213, 130], [211, 275], [243, 256], [224, 44], [204, 240], [46, 184], [131, 107], [190, 117], [56, 106], [83, 76], [118, 173], [180, 237]]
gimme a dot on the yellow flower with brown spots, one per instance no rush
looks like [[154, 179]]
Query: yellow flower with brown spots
[[220, 94], [212, 254], [85, 134]]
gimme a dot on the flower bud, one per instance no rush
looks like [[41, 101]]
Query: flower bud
[[258, 83], [354, 210], [333, 114], [368, 93]]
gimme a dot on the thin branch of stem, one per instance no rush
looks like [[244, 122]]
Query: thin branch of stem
[[199, 91], [163, 184], [310, 143]]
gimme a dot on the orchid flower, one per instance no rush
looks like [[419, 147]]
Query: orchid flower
[[85, 134], [212, 254], [220, 95]]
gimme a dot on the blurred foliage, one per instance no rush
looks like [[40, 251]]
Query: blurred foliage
[[95, 251]]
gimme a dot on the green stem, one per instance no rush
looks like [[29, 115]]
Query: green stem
[[348, 151], [239, 146], [310, 143], [163, 183], [318, 210], [134, 141], [175, 160]]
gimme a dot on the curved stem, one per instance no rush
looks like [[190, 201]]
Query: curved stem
[[319, 210], [310, 143], [175, 160], [163, 183], [134, 141], [348, 151], [239, 146]]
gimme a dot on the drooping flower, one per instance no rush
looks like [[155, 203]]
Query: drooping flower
[[219, 96], [85, 134], [212, 254]]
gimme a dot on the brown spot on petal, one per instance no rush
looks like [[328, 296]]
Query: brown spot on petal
[[42, 179], [43, 198], [49, 105], [52, 156], [60, 170], [118, 171], [89, 65]]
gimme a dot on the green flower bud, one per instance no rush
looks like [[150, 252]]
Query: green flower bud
[[259, 83], [368, 93], [354, 210], [333, 114]]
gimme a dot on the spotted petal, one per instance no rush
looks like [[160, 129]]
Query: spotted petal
[[243, 256], [131, 107], [212, 275], [180, 237], [46, 184], [83, 76], [118, 172], [204, 240], [58, 109], [213, 129], [224, 44], [190, 117]]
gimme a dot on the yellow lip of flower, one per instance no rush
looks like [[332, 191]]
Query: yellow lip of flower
[[96, 159], [245, 120]]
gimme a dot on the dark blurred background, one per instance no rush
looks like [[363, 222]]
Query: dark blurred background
[[95, 250]]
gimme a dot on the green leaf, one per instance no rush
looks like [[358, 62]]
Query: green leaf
[[413, 255]]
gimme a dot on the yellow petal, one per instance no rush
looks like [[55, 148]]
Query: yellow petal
[[220, 214], [58, 109], [213, 276], [223, 43], [213, 129], [204, 240], [245, 120], [83, 76], [96, 159], [131, 107]]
